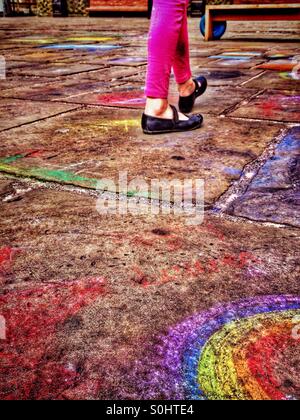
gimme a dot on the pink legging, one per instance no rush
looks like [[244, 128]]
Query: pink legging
[[168, 47]]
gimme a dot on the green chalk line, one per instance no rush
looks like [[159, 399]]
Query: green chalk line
[[56, 175], [11, 159], [51, 175]]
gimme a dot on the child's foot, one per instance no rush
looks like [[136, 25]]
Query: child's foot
[[187, 88], [188, 95], [160, 108], [158, 125]]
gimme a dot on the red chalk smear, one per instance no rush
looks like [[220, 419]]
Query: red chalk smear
[[214, 230], [35, 153], [280, 104], [269, 107], [125, 99], [5, 255], [6, 258], [30, 367], [262, 357]]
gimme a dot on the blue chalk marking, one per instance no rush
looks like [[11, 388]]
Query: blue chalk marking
[[246, 53], [230, 57], [89, 47], [128, 60], [232, 171]]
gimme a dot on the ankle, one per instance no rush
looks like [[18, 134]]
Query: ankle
[[156, 107], [187, 88]]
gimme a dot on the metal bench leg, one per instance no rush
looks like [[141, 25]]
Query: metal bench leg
[[208, 25]]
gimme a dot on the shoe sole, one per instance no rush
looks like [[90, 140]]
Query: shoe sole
[[172, 131]]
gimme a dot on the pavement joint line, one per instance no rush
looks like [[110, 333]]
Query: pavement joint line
[[56, 186], [238, 219], [260, 120], [236, 106], [105, 68], [266, 223], [41, 119], [36, 100], [250, 170], [75, 96], [64, 75], [63, 100], [38, 185], [108, 106], [253, 78]]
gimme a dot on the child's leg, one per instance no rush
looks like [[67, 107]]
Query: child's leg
[[166, 26], [182, 69]]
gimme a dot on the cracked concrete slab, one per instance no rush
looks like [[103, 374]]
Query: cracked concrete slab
[[113, 73], [133, 267], [98, 143], [16, 112], [111, 301], [274, 193], [275, 80], [226, 77], [22, 82], [234, 62], [39, 56], [216, 76], [132, 96], [57, 90], [271, 105], [54, 70]]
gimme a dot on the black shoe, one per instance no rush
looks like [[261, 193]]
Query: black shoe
[[154, 125], [186, 103]]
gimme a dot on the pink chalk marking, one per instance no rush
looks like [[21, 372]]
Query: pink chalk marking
[[6, 258], [30, 368], [135, 98], [193, 270]]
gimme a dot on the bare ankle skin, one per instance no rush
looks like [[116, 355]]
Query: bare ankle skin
[[156, 107], [160, 108], [187, 88]]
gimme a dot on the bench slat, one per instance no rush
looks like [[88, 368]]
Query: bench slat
[[249, 12], [255, 6], [253, 18]]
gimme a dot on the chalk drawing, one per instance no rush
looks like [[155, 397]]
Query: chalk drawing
[[90, 39], [88, 47], [6, 257], [128, 60], [32, 317], [196, 269], [229, 352], [2, 328], [128, 98]]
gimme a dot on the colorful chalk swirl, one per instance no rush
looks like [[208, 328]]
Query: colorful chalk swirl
[[246, 350]]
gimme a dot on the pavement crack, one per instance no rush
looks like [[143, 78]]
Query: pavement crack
[[250, 170], [42, 119], [235, 106]]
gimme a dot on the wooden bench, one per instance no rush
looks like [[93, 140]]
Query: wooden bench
[[248, 12], [118, 6]]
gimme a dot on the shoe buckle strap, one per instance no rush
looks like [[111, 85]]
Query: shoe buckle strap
[[175, 114]]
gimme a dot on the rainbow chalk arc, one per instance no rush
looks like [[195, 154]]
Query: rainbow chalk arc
[[233, 351]]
